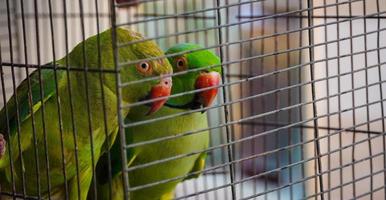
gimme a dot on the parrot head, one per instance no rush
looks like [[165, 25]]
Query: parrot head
[[206, 81], [136, 63], [154, 89]]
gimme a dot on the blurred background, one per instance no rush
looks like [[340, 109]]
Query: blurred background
[[293, 135]]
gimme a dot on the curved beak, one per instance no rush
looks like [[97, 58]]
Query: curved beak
[[205, 80], [162, 89]]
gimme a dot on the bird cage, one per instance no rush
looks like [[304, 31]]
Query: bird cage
[[298, 114]]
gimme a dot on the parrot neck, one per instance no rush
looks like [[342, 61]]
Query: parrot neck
[[183, 107], [191, 105]]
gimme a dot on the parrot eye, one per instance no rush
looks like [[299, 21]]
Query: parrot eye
[[181, 63], [144, 68]]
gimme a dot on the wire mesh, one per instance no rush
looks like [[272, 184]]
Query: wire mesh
[[299, 112]]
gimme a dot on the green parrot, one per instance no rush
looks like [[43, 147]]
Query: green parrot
[[138, 155], [16, 120]]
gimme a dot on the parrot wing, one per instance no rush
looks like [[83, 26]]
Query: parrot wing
[[23, 97]]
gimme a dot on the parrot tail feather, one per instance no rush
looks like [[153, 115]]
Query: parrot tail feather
[[3, 145]]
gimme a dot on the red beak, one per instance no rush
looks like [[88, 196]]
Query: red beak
[[206, 80], [163, 89]]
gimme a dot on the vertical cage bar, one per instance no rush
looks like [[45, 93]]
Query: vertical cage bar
[[229, 129], [103, 101], [242, 93], [289, 100], [339, 104], [125, 177], [30, 103], [367, 99], [300, 97], [42, 103], [276, 101], [226, 113], [212, 159], [381, 94], [314, 107], [352, 101], [328, 101], [86, 82], [58, 99], [254, 87], [216, 193], [69, 85], [263, 103], [18, 130]]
